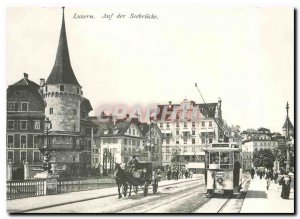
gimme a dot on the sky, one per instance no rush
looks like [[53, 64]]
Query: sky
[[245, 56]]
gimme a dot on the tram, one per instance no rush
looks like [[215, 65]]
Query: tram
[[223, 168]]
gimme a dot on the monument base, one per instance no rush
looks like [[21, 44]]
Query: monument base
[[45, 175]]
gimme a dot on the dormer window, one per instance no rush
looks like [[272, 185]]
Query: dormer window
[[77, 90], [62, 88]]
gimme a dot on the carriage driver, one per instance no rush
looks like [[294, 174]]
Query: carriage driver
[[133, 163]]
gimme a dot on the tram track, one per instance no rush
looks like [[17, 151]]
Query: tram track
[[226, 202], [102, 196]]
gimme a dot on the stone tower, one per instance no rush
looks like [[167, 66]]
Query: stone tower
[[62, 94]]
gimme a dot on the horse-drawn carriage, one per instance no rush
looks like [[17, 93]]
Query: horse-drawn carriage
[[142, 175]]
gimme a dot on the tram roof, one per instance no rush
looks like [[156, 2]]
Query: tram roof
[[214, 149]]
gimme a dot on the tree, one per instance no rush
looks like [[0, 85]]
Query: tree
[[263, 158], [280, 154]]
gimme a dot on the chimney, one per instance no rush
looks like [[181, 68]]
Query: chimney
[[42, 82], [25, 75]]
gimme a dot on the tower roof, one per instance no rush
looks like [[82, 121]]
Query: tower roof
[[288, 123], [62, 72]]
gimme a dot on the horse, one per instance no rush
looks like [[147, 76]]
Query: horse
[[121, 179]]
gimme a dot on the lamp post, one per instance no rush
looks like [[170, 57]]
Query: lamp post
[[287, 136], [47, 156]]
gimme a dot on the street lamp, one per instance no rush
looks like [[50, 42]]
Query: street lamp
[[46, 152]]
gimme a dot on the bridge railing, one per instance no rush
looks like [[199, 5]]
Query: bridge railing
[[38, 187], [25, 188]]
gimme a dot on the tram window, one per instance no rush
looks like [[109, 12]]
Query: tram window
[[225, 160], [214, 157]]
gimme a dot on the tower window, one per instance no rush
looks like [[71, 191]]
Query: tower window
[[62, 88], [74, 112], [51, 110]]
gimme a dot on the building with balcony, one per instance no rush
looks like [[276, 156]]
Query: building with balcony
[[187, 128]]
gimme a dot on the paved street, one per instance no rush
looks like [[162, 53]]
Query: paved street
[[261, 200], [181, 192]]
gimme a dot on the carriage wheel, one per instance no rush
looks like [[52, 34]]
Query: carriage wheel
[[146, 189], [155, 186], [125, 187]]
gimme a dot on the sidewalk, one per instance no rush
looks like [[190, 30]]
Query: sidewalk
[[261, 200], [26, 204]]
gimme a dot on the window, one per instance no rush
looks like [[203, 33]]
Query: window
[[78, 90], [167, 140], [74, 111], [168, 125], [203, 124], [46, 88], [177, 124], [35, 141], [10, 124], [177, 141], [10, 141], [193, 149], [193, 132], [138, 143], [23, 124], [133, 142], [185, 124], [184, 141], [125, 141], [210, 124], [177, 132], [167, 157], [11, 106], [10, 156], [37, 124], [23, 155], [36, 156], [51, 110], [62, 88], [129, 131], [74, 128], [210, 140], [129, 141], [168, 149], [23, 141], [193, 124], [184, 149], [203, 140], [133, 131], [193, 141], [24, 106], [74, 158]]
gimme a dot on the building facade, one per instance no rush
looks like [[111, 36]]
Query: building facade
[[187, 128], [25, 122]]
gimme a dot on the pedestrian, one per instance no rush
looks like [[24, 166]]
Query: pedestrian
[[275, 176], [169, 172], [285, 182], [191, 174], [252, 171], [260, 174], [186, 174]]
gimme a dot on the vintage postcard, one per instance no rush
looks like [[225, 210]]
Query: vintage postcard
[[150, 109]]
